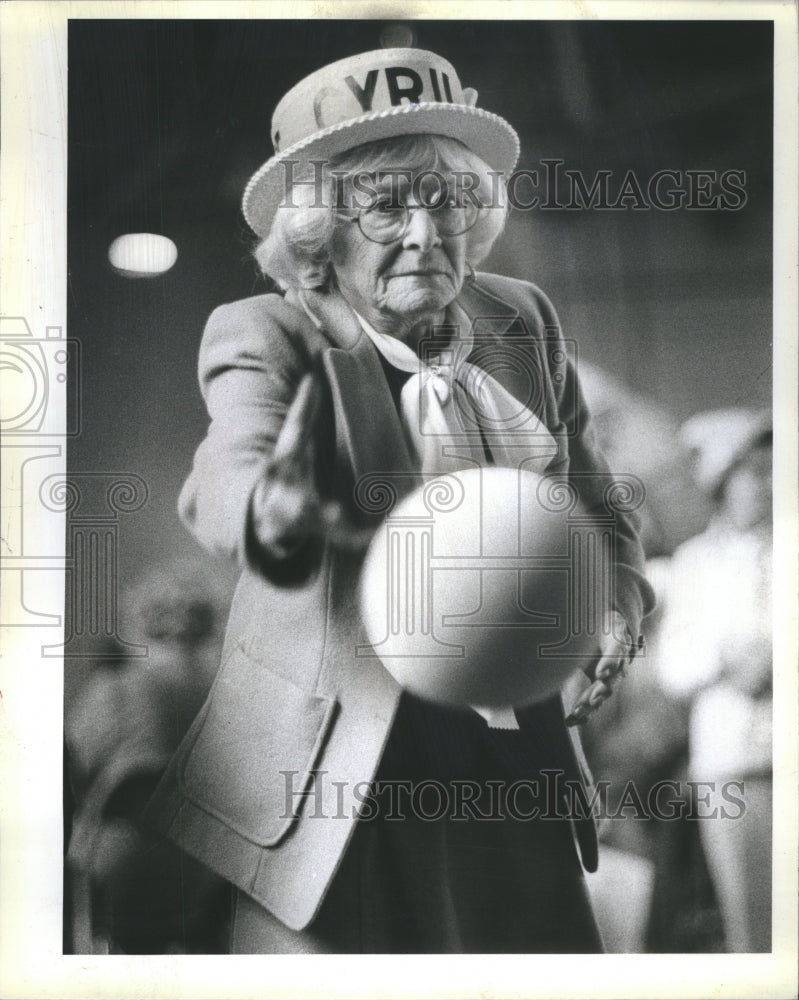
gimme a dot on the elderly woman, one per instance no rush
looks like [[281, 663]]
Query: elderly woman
[[385, 192]]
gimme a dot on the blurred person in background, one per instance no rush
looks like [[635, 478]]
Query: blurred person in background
[[646, 887], [651, 889], [720, 660], [129, 892]]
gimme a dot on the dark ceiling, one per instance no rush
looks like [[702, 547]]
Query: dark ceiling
[[168, 118]]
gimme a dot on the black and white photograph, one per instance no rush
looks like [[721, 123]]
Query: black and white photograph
[[399, 489]]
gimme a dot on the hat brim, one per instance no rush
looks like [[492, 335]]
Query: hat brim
[[484, 133]]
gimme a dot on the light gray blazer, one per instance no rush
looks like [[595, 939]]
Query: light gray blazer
[[291, 698]]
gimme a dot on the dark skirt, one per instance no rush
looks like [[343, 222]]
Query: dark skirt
[[454, 859]]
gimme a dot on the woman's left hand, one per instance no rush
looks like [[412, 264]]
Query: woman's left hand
[[616, 650]]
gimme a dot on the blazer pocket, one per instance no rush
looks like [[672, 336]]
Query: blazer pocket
[[254, 755]]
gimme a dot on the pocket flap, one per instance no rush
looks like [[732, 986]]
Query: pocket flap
[[254, 754]]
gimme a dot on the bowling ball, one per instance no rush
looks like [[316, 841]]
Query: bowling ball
[[486, 587]]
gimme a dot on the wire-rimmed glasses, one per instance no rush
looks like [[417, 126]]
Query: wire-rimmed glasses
[[385, 219]]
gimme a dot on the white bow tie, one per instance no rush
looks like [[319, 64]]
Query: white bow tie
[[456, 415]]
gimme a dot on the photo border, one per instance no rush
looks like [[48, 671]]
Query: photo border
[[33, 162]]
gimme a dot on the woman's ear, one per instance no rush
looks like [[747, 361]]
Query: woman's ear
[[312, 274]]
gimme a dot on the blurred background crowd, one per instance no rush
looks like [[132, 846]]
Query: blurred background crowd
[[671, 314]]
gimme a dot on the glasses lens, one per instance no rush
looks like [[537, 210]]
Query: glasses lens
[[453, 218], [384, 221]]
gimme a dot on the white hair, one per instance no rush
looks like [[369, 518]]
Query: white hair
[[296, 251]]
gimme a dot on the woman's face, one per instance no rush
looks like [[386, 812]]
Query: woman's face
[[399, 284]]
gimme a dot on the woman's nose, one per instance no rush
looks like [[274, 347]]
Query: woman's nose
[[421, 233]]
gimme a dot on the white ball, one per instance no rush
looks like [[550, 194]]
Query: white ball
[[486, 587]]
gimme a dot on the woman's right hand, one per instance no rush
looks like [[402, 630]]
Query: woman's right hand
[[287, 508], [286, 505]]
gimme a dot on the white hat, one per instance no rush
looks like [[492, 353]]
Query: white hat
[[372, 96], [719, 439]]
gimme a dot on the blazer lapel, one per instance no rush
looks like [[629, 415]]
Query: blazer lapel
[[370, 439], [490, 317], [491, 320], [369, 434], [524, 371]]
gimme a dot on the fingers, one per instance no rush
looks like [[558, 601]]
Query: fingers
[[616, 654], [588, 702], [284, 512], [609, 672], [288, 515], [298, 426], [335, 526], [611, 665]]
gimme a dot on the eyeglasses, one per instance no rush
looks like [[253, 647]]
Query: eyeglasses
[[385, 220]]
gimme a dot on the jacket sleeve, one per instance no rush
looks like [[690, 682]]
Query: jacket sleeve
[[580, 458], [251, 361], [595, 483]]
